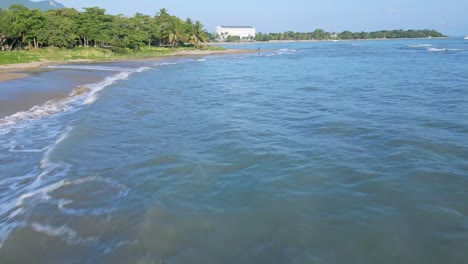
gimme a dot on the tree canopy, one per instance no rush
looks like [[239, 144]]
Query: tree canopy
[[23, 28], [320, 34]]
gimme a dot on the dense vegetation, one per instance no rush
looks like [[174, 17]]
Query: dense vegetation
[[22, 28], [320, 34]]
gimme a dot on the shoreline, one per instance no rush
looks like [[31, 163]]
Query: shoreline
[[315, 40], [18, 95], [15, 71]]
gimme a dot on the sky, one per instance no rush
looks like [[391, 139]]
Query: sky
[[447, 16]]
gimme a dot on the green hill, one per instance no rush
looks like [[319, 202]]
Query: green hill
[[43, 5]]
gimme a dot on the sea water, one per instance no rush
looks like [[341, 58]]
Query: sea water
[[326, 152]]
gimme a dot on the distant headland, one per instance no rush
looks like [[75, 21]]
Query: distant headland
[[248, 34], [65, 34]]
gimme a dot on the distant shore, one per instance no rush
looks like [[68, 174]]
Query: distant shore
[[314, 40], [22, 96], [21, 70]]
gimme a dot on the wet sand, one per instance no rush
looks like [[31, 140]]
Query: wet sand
[[25, 85], [21, 70], [6, 76], [22, 94]]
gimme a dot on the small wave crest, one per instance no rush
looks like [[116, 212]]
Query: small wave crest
[[419, 45], [286, 51], [64, 232], [97, 87], [21, 193], [88, 93], [441, 49], [279, 52]]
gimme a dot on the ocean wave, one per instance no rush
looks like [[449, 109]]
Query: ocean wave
[[97, 87], [88, 93], [34, 195], [32, 185], [286, 51], [419, 45], [279, 52], [45, 161], [64, 232], [166, 63], [441, 49], [48, 108], [22, 193]]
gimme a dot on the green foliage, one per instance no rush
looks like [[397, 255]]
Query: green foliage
[[89, 53], [23, 29], [232, 38], [320, 34], [390, 34]]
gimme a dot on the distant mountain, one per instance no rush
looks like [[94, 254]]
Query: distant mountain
[[43, 5]]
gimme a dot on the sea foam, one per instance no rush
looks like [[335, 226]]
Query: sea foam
[[87, 93], [24, 192], [419, 45], [441, 49]]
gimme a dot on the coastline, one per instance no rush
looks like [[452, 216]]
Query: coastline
[[21, 70], [315, 40], [18, 95]]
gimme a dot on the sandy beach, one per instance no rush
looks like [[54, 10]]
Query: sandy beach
[[18, 94], [20, 70]]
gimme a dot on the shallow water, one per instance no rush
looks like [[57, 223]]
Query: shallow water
[[345, 152]]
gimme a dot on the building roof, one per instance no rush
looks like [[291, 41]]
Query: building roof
[[236, 27]]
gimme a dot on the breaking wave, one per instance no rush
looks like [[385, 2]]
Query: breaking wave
[[88, 94], [441, 49], [419, 45], [22, 192]]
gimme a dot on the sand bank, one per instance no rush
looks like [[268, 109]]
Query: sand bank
[[20, 70], [54, 85], [6, 76]]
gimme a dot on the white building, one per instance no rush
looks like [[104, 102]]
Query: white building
[[241, 31]]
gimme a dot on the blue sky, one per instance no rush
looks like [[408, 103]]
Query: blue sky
[[448, 16]]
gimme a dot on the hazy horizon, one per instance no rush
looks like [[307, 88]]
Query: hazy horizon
[[447, 17]]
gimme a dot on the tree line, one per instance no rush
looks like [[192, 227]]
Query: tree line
[[320, 34], [23, 28]]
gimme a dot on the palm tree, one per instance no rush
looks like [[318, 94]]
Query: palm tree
[[162, 12], [175, 33], [197, 33], [161, 20]]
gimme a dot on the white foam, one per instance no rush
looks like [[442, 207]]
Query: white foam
[[46, 158], [23, 192], [53, 231], [36, 112], [279, 52], [419, 45], [60, 105], [166, 63], [201, 60], [441, 50], [142, 69], [64, 232], [42, 194], [95, 88], [286, 51]]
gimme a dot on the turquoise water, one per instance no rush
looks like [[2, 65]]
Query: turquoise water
[[338, 152]]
